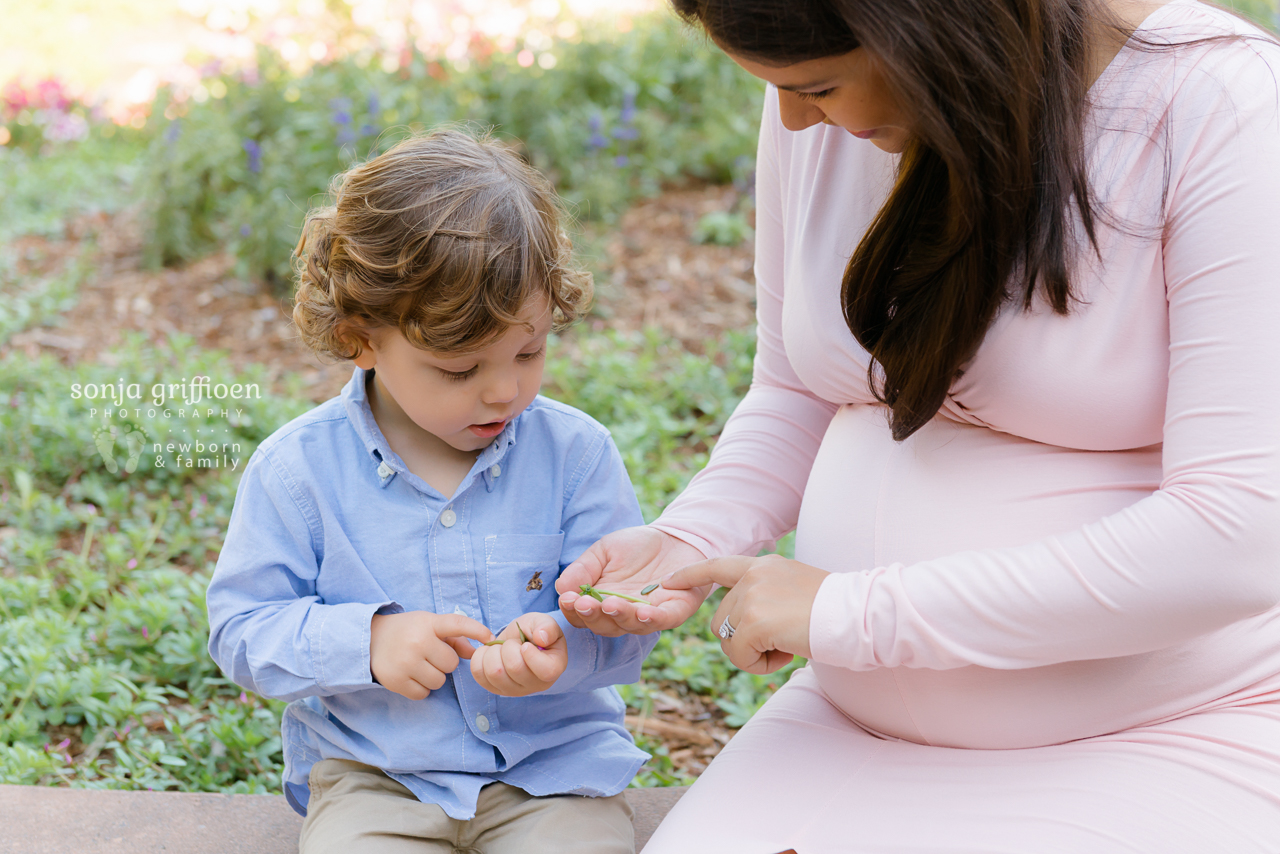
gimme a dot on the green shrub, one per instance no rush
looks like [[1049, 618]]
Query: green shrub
[[617, 117]]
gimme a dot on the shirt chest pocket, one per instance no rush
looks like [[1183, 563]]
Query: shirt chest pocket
[[520, 575]]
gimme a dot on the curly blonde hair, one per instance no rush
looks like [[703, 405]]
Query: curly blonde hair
[[445, 237]]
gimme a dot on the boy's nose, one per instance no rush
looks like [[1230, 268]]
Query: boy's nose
[[504, 388]]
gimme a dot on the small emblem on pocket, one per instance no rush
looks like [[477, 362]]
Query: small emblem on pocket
[[535, 583]]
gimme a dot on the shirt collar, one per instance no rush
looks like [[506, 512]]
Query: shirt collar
[[355, 400]]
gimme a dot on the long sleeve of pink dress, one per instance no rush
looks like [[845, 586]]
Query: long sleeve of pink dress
[[1086, 540]]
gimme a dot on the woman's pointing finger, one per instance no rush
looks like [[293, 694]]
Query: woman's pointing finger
[[725, 571]]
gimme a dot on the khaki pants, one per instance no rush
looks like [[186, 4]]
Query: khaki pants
[[357, 809]]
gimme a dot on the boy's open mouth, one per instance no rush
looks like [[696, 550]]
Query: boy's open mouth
[[487, 431]]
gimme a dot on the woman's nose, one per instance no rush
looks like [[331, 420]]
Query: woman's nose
[[797, 113]]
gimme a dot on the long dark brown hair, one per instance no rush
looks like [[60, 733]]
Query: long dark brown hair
[[988, 185]]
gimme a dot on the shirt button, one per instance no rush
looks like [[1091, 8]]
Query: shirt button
[[495, 470], [458, 610], [482, 723], [448, 517], [384, 470]]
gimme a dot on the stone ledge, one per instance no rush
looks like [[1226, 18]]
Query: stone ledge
[[45, 820]]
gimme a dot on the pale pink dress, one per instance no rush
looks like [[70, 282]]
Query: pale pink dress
[[1052, 624]]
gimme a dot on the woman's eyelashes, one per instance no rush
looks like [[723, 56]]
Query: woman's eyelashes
[[814, 96]]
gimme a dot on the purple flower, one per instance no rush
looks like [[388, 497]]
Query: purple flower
[[598, 140], [375, 103], [341, 111], [346, 135], [628, 107], [245, 231], [626, 133], [621, 160], [174, 131], [254, 151], [594, 123], [368, 130]]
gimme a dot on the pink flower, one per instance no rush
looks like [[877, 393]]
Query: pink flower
[[144, 633], [132, 564]]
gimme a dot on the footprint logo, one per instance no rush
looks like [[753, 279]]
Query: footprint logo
[[104, 438], [134, 443]]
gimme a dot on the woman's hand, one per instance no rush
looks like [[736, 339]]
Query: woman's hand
[[768, 607], [531, 657], [410, 653], [627, 561]]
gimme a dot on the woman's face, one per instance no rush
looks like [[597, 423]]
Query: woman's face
[[846, 90]]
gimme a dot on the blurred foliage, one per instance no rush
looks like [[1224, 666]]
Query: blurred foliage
[[41, 192], [614, 119], [664, 405], [723, 228]]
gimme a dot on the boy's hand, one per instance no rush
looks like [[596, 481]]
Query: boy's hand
[[410, 653], [516, 669]]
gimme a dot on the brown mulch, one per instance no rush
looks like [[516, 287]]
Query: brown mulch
[[649, 273]]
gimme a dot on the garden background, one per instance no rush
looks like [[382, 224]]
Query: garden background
[[156, 161]]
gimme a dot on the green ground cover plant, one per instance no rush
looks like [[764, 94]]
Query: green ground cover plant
[[103, 668]]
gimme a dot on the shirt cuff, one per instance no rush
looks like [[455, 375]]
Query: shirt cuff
[[584, 652], [339, 644], [831, 621], [701, 544]]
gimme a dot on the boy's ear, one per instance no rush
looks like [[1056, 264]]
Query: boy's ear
[[359, 340]]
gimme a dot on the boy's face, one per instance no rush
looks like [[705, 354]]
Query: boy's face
[[465, 401]]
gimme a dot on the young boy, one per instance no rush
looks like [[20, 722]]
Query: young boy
[[376, 539]]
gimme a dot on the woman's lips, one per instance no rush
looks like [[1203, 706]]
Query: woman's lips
[[864, 134], [487, 431]]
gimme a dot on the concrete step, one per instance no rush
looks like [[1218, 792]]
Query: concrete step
[[45, 820]]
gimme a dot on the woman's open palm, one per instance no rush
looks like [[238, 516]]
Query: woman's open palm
[[628, 561]]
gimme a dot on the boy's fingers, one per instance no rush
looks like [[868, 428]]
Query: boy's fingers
[[491, 664], [541, 629], [410, 688], [428, 676], [513, 662], [443, 656], [545, 665], [461, 646], [457, 625]]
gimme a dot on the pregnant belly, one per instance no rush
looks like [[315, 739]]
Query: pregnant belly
[[953, 487]]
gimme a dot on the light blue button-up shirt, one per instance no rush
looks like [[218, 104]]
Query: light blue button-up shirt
[[330, 527]]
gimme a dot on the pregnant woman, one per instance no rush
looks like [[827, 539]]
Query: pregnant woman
[[1017, 389]]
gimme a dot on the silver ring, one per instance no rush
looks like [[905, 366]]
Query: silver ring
[[726, 631]]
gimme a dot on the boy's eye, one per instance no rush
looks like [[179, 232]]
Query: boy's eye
[[813, 96], [458, 376], [529, 357]]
